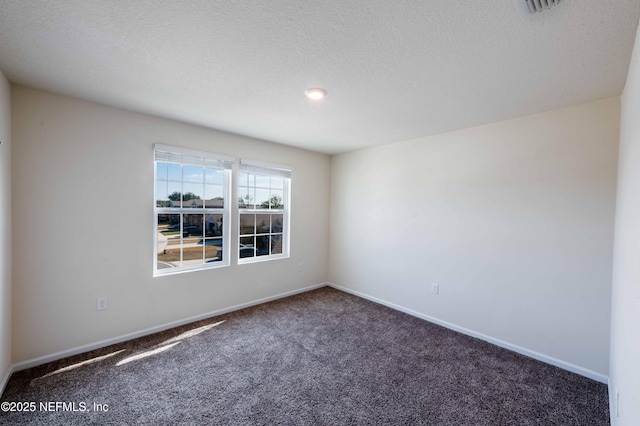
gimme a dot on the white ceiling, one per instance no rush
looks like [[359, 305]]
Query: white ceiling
[[394, 70]]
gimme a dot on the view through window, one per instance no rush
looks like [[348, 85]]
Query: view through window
[[263, 207], [191, 209]]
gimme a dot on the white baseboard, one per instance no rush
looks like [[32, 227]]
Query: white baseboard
[[102, 343], [515, 348], [5, 379]]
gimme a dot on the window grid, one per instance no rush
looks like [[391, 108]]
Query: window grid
[[263, 216], [190, 210]]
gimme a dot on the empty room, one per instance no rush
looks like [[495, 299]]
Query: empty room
[[297, 212]]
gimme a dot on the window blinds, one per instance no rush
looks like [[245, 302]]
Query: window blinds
[[192, 157], [265, 168]]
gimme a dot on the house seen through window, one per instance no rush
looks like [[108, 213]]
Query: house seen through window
[[263, 210], [191, 209]]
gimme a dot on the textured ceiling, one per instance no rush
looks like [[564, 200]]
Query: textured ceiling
[[393, 70]]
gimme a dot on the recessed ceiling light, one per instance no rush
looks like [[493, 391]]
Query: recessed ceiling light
[[315, 94]]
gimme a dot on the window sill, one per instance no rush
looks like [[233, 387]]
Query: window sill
[[260, 259]]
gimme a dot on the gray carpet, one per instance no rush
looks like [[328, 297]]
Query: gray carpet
[[323, 357]]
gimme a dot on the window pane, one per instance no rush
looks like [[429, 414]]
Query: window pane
[[247, 224], [193, 174], [262, 245], [168, 240], [263, 223], [211, 242], [212, 250], [174, 172], [277, 183], [174, 189], [192, 252], [213, 225], [162, 196], [246, 247], [163, 220], [193, 195], [170, 256], [262, 181], [161, 170], [246, 197], [214, 203], [262, 198], [169, 224], [213, 194], [246, 179], [192, 225], [276, 244], [214, 176], [276, 200], [277, 223]]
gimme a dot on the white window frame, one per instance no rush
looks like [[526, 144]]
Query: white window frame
[[272, 170], [191, 157]]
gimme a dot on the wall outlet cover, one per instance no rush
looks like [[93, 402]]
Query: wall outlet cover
[[101, 303]]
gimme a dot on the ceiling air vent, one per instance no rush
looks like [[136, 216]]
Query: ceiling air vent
[[530, 8]]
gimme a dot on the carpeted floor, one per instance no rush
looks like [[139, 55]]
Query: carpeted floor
[[323, 357]]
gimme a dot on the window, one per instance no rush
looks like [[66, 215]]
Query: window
[[263, 209], [191, 209]]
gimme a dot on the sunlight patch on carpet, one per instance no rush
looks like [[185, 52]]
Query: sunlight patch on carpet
[[77, 365], [146, 354], [191, 333]]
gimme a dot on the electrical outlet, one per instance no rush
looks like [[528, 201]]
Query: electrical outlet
[[299, 268], [435, 288], [101, 303]]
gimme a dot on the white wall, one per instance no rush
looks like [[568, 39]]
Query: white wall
[[5, 229], [83, 209], [514, 220], [625, 310]]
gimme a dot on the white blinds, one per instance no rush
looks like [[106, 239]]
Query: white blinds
[[192, 157], [265, 168]]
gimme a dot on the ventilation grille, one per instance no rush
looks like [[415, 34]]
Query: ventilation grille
[[530, 8]]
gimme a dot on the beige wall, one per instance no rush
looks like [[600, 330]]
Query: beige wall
[[83, 208], [5, 229], [624, 386], [514, 221]]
